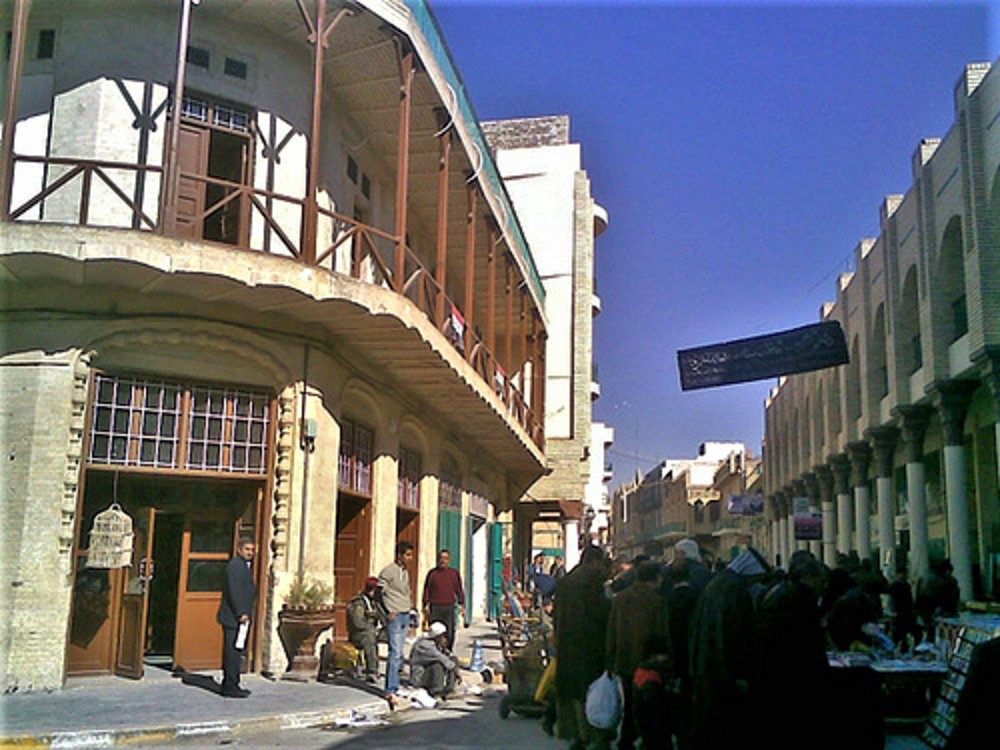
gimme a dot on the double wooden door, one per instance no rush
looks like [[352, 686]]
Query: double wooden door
[[351, 559]]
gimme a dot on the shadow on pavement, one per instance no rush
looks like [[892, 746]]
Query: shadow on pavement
[[201, 681]]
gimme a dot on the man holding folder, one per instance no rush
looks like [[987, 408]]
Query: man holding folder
[[238, 597]]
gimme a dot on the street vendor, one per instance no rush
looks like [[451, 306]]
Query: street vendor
[[432, 665]]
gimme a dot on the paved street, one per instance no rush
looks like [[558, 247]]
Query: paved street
[[461, 723]]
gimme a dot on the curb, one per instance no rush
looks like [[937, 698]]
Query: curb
[[165, 733]]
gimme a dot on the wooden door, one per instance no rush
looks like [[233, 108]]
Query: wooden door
[[351, 559], [92, 619], [135, 597], [192, 159], [208, 543]]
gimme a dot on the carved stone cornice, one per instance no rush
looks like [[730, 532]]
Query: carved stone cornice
[[883, 440], [952, 398], [841, 465], [913, 419], [824, 475], [860, 455]]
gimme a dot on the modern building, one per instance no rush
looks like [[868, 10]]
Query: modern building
[[899, 448], [259, 276], [543, 171], [597, 506]]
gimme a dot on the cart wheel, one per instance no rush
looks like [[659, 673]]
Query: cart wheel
[[505, 707]]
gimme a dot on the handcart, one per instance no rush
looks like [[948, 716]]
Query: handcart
[[524, 645]]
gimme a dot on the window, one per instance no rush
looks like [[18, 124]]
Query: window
[[366, 186], [918, 354], [409, 478], [137, 422], [352, 170], [235, 68], [959, 318], [450, 492], [198, 57], [355, 460], [46, 44]]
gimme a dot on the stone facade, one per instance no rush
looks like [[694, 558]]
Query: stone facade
[[898, 448]]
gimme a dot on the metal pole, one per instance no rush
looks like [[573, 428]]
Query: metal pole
[[311, 210], [168, 191], [18, 34]]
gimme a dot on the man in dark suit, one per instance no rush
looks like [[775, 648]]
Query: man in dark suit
[[238, 597]]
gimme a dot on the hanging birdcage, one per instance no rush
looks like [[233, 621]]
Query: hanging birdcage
[[110, 539]]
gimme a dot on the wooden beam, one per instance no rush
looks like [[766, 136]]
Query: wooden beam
[[468, 299], [406, 72], [491, 291], [444, 165], [508, 333], [168, 193]]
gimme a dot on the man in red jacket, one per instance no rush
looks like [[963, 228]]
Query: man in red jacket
[[442, 591]]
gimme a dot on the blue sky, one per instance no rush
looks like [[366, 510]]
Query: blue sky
[[742, 150]]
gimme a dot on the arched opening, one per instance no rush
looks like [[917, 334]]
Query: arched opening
[[834, 402], [878, 371], [951, 283], [911, 357], [854, 381]]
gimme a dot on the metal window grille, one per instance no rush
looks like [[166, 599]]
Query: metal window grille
[[409, 478], [196, 109], [231, 118], [450, 489], [355, 459], [137, 422]]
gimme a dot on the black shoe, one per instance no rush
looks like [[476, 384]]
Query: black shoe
[[236, 692]]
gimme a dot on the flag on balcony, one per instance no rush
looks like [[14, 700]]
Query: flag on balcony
[[811, 347], [456, 329]]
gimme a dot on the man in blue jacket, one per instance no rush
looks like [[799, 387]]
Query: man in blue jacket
[[238, 597]]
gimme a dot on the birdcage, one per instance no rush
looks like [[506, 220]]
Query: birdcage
[[110, 539]]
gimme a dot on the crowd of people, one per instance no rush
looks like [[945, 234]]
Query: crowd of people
[[727, 654]]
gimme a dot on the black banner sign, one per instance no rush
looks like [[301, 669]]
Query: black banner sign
[[811, 347]]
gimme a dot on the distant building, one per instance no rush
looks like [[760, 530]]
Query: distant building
[[899, 449]]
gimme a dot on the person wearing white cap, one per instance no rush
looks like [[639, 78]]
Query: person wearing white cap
[[431, 664]]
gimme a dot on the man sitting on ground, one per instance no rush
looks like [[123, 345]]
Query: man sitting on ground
[[431, 664]]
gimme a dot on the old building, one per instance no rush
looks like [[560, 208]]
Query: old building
[[899, 448], [543, 172], [259, 275]]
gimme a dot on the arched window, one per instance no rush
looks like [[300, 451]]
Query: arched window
[[951, 282], [910, 347], [878, 371], [854, 381]]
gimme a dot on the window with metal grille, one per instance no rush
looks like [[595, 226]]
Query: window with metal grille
[[158, 424], [135, 422], [355, 460], [409, 478], [352, 170], [227, 430], [235, 68], [46, 44], [199, 57], [450, 489]]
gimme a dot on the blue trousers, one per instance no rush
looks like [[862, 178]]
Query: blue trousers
[[397, 635]]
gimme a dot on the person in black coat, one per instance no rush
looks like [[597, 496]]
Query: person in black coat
[[238, 597]]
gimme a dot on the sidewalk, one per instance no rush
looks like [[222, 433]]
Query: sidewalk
[[104, 711]]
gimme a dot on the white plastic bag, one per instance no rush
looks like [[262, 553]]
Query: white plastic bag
[[604, 701]]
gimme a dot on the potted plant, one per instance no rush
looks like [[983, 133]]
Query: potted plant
[[308, 611]]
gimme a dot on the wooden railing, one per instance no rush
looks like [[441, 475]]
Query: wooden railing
[[372, 251]]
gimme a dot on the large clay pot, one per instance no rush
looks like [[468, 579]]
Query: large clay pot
[[299, 628]]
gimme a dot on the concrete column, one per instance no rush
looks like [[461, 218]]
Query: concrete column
[[815, 546], [953, 402], [775, 540], [824, 474], [790, 515], [860, 455], [913, 422], [571, 542], [801, 491], [883, 441], [780, 503], [841, 479]]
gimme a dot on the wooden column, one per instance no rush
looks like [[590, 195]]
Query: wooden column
[[468, 300], [491, 294], [168, 189], [444, 163], [508, 338], [319, 37], [523, 338], [19, 31], [406, 72]]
